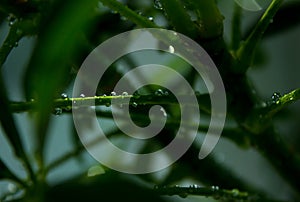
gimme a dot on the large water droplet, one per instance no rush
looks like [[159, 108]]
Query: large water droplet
[[134, 104], [215, 188], [164, 112], [64, 96], [157, 4], [82, 95], [150, 18], [124, 94], [275, 97], [113, 93], [11, 20], [171, 49], [159, 92]]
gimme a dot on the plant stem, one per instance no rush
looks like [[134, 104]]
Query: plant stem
[[66, 104], [9, 43], [236, 34], [277, 105], [246, 51], [129, 14], [179, 18], [214, 192]]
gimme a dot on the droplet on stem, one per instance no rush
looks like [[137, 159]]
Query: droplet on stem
[[275, 97], [157, 4], [64, 96]]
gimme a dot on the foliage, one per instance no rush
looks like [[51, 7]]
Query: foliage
[[66, 31]]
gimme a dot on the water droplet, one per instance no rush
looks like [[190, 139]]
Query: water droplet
[[171, 49], [271, 21], [291, 98], [107, 104], [166, 93], [113, 12], [57, 111], [11, 20], [124, 94], [215, 188], [134, 104], [113, 93], [195, 186], [164, 112], [158, 5], [159, 92], [104, 95], [64, 96], [275, 97], [156, 187], [150, 18], [16, 44], [82, 95], [123, 18]]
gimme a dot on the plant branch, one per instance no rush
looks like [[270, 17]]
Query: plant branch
[[214, 192], [9, 43], [66, 103], [277, 105], [236, 34], [129, 14], [246, 51], [179, 18]]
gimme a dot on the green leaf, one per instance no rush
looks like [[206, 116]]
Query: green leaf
[[60, 40]]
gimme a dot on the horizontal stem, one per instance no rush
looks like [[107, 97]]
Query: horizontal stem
[[129, 14], [67, 103], [281, 103], [213, 191]]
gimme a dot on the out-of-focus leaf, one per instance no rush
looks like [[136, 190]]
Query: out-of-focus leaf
[[106, 187], [60, 40]]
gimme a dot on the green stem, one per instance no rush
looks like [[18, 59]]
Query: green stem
[[214, 192], [236, 34], [179, 17], [66, 104], [246, 51], [9, 43], [277, 105], [210, 19], [129, 14]]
